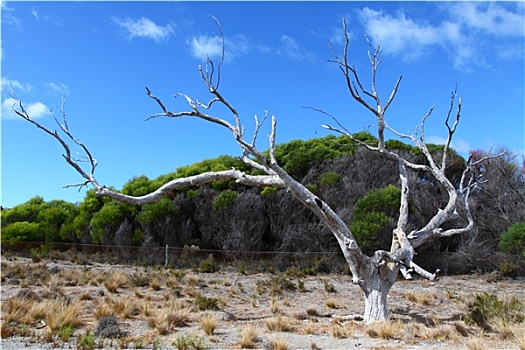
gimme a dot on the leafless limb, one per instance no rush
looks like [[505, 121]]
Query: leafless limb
[[20, 110], [376, 274]]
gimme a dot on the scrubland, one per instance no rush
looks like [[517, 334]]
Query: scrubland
[[55, 303]]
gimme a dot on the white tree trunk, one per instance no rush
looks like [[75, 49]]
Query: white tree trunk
[[376, 307], [375, 287]]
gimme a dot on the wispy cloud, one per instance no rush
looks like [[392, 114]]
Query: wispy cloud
[[34, 109], [210, 46], [8, 17], [293, 50], [15, 85], [144, 28], [490, 17], [204, 46], [461, 33], [45, 17], [12, 87], [59, 88]]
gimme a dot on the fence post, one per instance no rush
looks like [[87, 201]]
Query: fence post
[[166, 262]]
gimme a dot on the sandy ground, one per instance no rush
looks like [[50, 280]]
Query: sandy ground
[[312, 315]]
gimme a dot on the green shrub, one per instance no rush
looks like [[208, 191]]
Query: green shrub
[[23, 231], [513, 240], [487, 308], [189, 342], [224, 200], [269, 191], [206, 303], [87, 341], [282, 282], [328, 286], [312, 188], [157, 211], [208, 265], [372, 213], [329, 178], [192, 193]]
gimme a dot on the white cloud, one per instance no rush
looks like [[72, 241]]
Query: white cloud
[[46, 18], [291, 49], [60, 88], [9, 84], [8, 17], [204, 46], [462, 35], [494, 18], [145, 28], [34, 12], [35, 109], [399, 35]]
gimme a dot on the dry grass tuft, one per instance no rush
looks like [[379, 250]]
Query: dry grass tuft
[[331, 304], [165, 319], [208, 323], [504, 328], [412, 332], [115, 280], [385, 329], [475, 343], [38, 311], [311, 311], [278, 344], [103, 309], [420, 298], [279, 324], [61, 315], [15, 309], [339, 330], [249, 338], [126, 307], [442, 333], [519, 337], [274, 305]]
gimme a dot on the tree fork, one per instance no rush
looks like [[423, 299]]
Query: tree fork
[[375, 275]]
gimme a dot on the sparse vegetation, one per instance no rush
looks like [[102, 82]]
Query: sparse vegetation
[[485, 309], [206, 303], [279, 324], [385, 329], [278, 344], [208, 323], [328, 286], [249, 338], [168, 310], [420, 298], [331, 304]]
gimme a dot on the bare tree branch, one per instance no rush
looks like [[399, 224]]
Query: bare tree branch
[[22, 112], [376, 274]]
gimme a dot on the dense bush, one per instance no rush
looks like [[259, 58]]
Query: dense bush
[[23, 231], [513, 240], [360, 185], [372, 214], [37, 220]]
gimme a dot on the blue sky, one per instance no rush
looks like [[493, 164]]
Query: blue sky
[[100, 56]]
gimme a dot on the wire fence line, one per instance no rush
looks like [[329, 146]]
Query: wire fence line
[[168, 255]]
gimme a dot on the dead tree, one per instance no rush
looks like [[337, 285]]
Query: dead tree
[[374, 274]]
